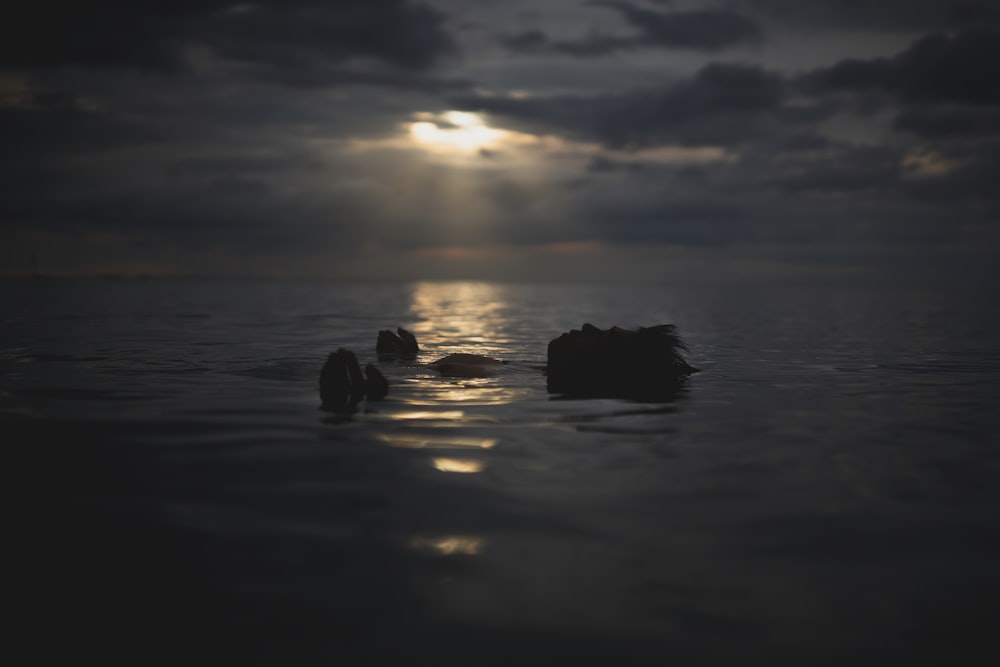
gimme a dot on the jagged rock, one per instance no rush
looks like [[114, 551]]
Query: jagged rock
[[342, 385], [617, 363], [402, 342], [377, 387]]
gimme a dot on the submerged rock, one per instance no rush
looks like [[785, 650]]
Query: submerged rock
[[617, 363], [404, 343], [465, 365]]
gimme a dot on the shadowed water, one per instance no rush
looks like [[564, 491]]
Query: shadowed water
[[823, 493]]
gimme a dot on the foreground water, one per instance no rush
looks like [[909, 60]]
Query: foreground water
[[823, 493]]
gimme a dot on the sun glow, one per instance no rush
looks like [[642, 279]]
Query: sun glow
[[465, 466], [454, 132], [450, 545]]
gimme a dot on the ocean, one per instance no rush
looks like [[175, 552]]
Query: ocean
[[824, 492]]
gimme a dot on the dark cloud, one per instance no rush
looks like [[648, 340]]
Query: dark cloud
[[831, 192], [276, 133], [888, 15], [700, 30], [941, 88], [404, 34], [55, 124], [603, 164], [798, 141], [949, 121], [595, 44], [529, 41], [105, 33], [936, 68], [722, 104], [321, 76], [645, 216], [969, 180], [297, 34], [844, 170], [249, 208]]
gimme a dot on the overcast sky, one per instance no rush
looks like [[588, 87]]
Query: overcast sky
[[542, 139]]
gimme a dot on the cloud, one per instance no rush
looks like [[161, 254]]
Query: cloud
[[706, 30], [850, 170], [595, 44], [887, 15], [701, 29], [941, 88], [528, 41], [60, 126], [959, 175], [936, 68], [403, 34], [723, 104], [291, 35], [228, 137], [949, 121], [320, 75]]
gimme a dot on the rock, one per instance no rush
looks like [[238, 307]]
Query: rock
[[402, 342], [643, 364], [454, 365], [617, 363], [342, 385], [465, 365], [377, 387]]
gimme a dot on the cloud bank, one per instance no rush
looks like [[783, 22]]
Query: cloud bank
[[651, 140]]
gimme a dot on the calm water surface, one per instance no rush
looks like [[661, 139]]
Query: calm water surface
[[823, 493]]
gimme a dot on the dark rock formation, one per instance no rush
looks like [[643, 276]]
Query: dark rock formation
[[643, 364], [376, 386], [454, 365], [617, 363], [342, 384], [465, 365], [402, 342]]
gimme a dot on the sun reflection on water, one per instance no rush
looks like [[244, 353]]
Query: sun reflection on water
[[450, 545], [465, 312], [466, 466], [437, 415], [422, 441], [471, 394]]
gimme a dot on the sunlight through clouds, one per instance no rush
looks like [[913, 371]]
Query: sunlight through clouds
[[454, 131], [456, 140]]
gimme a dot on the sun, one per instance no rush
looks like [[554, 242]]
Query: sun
[[454, 132]]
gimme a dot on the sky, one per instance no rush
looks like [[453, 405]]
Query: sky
[[656, 140]]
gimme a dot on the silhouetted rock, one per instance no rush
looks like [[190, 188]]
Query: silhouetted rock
[[465, 365], [342, 385], [402, 342], [377, 385], [358, 386], [617, 363], [644, 364]]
